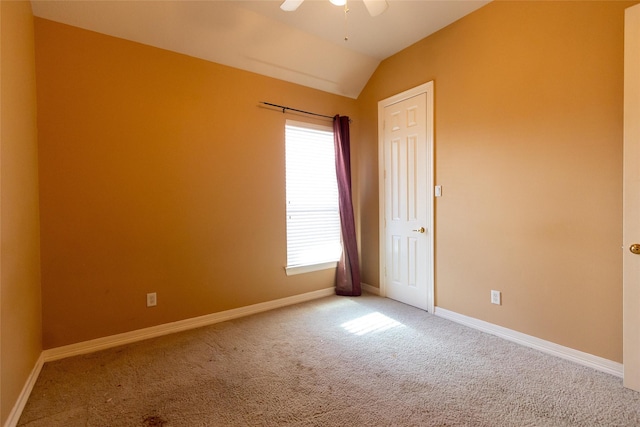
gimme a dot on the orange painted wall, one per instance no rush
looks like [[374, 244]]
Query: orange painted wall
[[20, 303], [528, 150], [160, 173]]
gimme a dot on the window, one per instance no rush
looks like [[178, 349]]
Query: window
[[313, 216]]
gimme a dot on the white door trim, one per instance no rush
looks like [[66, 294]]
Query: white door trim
[[426, 88], [631, 197]]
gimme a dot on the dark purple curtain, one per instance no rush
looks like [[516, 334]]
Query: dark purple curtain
[[348, 273]]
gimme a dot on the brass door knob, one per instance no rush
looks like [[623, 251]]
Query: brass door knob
[[635, 248], [422, 230]]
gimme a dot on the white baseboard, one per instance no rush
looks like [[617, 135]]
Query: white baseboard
[[576, 356], [370, 289], [181, 325], [16, 411]]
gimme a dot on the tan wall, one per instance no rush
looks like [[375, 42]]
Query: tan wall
[[20, 308], [528, 141], [158, 173]]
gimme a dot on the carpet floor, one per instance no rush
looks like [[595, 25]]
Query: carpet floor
[[336, 361]]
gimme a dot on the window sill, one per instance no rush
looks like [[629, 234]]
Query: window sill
[[300, 269]]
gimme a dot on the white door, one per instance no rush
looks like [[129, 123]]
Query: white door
[[631, 227], [407, 211]]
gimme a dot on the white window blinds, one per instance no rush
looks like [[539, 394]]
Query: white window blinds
[[313, 217]]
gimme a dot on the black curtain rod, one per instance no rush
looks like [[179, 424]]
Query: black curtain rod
[[295, 109]]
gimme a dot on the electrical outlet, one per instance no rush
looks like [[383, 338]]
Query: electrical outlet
[[496, 297], [152, 299]]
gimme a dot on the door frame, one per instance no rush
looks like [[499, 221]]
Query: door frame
[[426, 88], [631, 201]]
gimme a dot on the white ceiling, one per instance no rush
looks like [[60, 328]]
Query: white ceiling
[[306, 47]]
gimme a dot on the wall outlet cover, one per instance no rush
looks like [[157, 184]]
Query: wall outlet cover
[[495, 297], [152, 299]]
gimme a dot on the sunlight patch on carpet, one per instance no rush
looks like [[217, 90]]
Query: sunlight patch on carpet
[[371, 323]]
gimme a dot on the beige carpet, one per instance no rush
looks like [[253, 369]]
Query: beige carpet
[[307, 365]]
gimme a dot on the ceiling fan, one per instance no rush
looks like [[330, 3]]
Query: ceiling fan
[[375, 7]]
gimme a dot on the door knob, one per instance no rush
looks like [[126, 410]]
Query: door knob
[[422, 230], [635, 248]]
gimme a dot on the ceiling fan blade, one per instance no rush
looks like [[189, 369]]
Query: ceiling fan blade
[[376, 7], [290, 5]]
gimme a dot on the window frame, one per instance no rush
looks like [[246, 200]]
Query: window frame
[[314, 266]]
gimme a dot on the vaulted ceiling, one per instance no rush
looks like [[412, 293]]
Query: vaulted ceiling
[[306, 47]]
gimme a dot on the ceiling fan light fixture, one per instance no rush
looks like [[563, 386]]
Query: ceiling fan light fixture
[[376, 7], [290, 5]]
